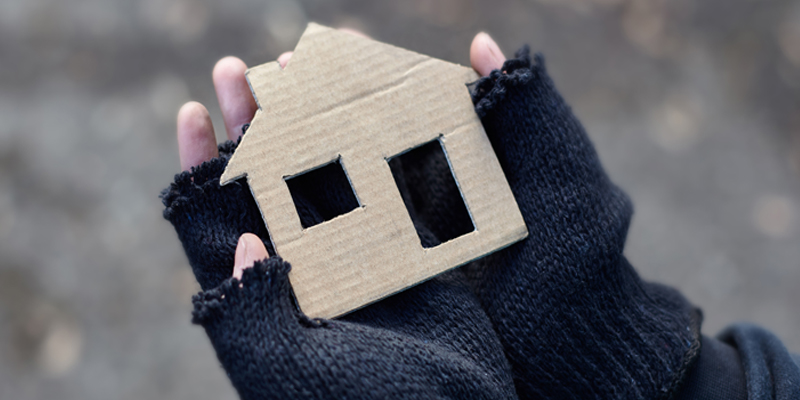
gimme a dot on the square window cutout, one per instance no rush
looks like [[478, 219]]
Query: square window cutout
[[322, 194], [431, 194]]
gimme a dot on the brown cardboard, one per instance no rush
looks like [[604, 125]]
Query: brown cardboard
[[360, 101]]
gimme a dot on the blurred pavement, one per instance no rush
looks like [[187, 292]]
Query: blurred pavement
[[694, 108]]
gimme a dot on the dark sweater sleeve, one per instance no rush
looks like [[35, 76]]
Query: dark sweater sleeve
[[716, 375], [770, 371], [743, 362], [575, 319]]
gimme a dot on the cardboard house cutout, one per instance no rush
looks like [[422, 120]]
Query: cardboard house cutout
[[355, 103]]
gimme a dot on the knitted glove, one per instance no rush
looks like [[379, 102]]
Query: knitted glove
[[431, 341], [574, 318]]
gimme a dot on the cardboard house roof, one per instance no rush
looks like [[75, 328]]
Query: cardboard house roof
[[361, 102]]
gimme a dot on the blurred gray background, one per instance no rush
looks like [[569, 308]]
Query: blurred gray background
[[693, 107]]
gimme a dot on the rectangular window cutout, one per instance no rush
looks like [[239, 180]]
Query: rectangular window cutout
[[431, 194], [322, 193]]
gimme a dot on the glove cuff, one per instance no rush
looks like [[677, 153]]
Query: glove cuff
[[623, 335], [263, 293], [491, 90]]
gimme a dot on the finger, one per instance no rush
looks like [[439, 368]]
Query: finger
[[234, 95], [485, 54], [196, 141], [284, 58], [354, 32], [249, 250]]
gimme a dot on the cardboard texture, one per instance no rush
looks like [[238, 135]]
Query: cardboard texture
[[361, 102]]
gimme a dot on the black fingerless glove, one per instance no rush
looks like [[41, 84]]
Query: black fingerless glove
[[574, 318]]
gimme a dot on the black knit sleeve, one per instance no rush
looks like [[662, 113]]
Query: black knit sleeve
[[574, 318]]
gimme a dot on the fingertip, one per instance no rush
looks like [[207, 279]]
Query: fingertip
[[196, 140], [233, 93], [485, 55], [283, 59], [354, 32], [229, 67], [249, 249], [189, 110]]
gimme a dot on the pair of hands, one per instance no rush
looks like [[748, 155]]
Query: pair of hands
[[197, 142], [561, 314]]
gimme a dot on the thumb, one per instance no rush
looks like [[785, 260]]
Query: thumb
[[485, 54], [249, 250]]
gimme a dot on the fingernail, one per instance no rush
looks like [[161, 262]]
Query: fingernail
[[251, 255], [283, 59], [494, 49], [240, 259], [249, 249]]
